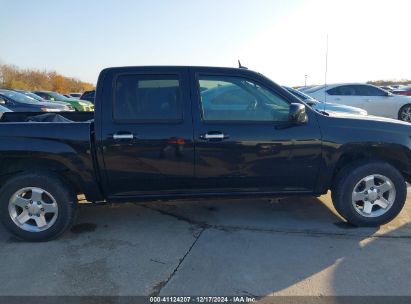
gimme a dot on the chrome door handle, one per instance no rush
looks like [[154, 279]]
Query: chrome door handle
[[117, 136], [213, 135]]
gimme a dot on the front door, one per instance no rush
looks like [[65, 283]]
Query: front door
[[147, 135], [243, 140], [376, 101]]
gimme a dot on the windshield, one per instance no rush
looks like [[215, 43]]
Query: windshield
[[19, 97], [314, 89], [34, 96], [57, 96], [301, 95], [3, 109]]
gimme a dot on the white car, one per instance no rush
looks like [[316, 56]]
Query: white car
[[326, 106], [374, 100]]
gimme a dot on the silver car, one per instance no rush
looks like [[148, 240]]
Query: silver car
[[326, 106]]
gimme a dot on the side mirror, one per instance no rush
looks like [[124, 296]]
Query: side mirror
[[297, 114]]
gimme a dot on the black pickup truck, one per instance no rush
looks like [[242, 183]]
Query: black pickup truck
[[188, 132]]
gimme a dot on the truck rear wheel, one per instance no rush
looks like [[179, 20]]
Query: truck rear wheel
[[37, 206], [369, 193]]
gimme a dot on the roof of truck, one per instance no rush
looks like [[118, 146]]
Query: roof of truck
[[160, 68], [177, 67]]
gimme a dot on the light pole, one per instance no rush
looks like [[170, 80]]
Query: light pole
[[305, 80]]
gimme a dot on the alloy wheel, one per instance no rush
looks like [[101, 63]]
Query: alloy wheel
[[373, 195], [33, 209]]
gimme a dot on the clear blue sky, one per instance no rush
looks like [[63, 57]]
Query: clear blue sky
[[283, 39]]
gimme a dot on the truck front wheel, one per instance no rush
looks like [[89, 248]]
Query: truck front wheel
[[369, 193], [37, 206]]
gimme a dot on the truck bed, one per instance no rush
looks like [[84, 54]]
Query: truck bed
[[25, 116], [66, 145]]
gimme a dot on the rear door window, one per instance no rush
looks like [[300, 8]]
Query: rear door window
[[345, 90], [148, 98]]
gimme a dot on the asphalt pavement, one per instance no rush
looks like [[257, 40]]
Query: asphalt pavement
[[254, 247]]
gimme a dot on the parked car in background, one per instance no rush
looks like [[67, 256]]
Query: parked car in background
[[305, 88], [78, 105], [89, 96], [69, 108], [74, 95], [387, 88], [376, 101], [403, 91], [19, 102], [325, 106]]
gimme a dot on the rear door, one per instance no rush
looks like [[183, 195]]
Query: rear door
[[242, 137], [147, 131]]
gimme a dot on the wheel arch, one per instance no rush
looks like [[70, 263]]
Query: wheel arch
[[396, 155], [401, 108], [11, 166]]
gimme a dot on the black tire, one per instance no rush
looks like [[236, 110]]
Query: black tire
[[62, 193], [334, 198], [348, 178], [400, 112]]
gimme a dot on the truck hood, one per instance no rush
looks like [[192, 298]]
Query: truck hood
[[369, 118]]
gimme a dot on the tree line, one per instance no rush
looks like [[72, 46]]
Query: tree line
[[389, 82], [12, 77]]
